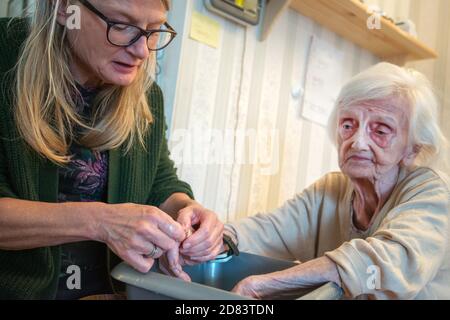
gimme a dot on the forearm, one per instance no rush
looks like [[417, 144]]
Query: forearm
[[309, 274], [175, 203], [30, 224]]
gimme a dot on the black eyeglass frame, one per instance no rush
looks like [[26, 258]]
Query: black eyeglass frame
[[147, 33]]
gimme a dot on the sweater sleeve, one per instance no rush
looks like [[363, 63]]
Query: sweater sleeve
[[289, 232], [166, 181], [8, 56], [5, 187], [405, 252]]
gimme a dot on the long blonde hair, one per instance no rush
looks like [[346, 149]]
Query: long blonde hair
[[44, 96]]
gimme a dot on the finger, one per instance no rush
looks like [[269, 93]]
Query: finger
[[237, 288], [206, 228], [179, 273], [141, 245], [164, 266], [187, 217], [138, 262], [153, 252], [215, 236], [167, 225], [186, 261], [159, 253], [204, 249], [152, 235], [172, 258], [174, 265], [208, 257], [242, 289], [250, 287]]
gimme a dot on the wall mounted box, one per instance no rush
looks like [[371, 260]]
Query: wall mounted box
[[246, 13]]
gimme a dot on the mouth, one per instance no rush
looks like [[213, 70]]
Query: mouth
[[124, 67], [126, 64], [359, 158]]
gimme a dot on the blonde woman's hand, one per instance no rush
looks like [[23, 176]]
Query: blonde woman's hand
[[132, 231], [171, 263]]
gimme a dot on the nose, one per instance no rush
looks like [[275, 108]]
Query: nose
[[360, 140], [139, 49]]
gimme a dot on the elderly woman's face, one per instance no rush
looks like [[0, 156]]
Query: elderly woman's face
[[373, 137], [97, 60]]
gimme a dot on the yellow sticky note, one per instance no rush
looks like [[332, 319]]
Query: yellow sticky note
[[205, 30], [240, 3]]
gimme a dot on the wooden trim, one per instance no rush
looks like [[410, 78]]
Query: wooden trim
[[349, 19]]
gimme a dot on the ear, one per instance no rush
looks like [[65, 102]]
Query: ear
[[62, 14], [411, 154]]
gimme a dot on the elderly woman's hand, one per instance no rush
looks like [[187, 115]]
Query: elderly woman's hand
[[309, 274], [139, 234], [207, 241], [257, 287]]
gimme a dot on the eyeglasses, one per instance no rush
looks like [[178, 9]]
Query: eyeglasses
[[124, 34]]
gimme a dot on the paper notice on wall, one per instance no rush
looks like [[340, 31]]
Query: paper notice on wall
[[323, 81], [205, 30]]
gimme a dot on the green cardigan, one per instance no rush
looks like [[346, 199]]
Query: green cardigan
[[143, 177]]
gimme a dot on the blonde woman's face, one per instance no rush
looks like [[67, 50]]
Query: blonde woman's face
[[98, 61], [373, 137]]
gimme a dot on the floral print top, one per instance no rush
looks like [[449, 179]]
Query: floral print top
[[84, 179]]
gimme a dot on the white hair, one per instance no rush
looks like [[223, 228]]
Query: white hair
[[385, 80]]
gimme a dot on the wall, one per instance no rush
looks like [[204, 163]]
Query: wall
[[432, 18], [3, 8], [246, 84], [15, 7]]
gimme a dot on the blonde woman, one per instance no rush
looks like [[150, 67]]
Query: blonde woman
[[380, 228], [84, 164]]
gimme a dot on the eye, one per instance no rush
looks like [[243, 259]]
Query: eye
[[382, 130], [347, 125], [120, 27]]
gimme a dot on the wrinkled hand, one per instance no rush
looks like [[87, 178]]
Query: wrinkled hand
[[131, 231], [171, 264], [257, 287], [207, 241]]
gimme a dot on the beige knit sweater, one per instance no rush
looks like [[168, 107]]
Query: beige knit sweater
[[403, 255]]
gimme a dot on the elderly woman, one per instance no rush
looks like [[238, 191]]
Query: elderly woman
[[84, 164], [380, 228]]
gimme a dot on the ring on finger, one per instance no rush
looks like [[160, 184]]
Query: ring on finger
[[153, 253]]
